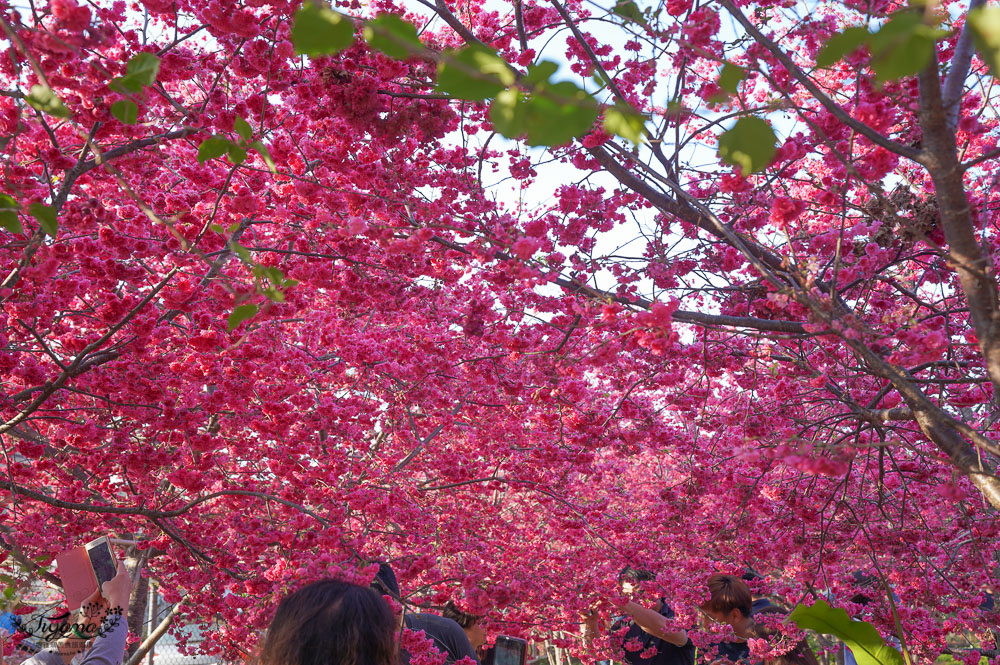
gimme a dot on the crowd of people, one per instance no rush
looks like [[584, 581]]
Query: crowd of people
[[332, 622]]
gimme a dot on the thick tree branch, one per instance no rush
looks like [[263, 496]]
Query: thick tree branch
[[974, 268], [961, 59]]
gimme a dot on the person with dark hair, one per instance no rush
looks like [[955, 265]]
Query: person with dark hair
[[331, 622], [730, 602], [469, 623], [447, 636], [645, 628]]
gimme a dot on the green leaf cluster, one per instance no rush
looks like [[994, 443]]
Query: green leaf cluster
[[241, 313], [216, 146], [269, 281], [47, 216], [318, 30], [550, 114], [544, 111], [141, 71], [730, 77], [474, 73], [901, 47], [860, 637]]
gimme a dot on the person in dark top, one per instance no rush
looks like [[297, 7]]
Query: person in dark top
[[759, 602], [730, 603], [646, 628], [447, 636]]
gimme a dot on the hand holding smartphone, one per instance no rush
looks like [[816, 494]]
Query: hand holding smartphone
[[84, 570]]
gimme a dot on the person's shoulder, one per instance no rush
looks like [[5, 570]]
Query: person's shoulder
[[435, 622]]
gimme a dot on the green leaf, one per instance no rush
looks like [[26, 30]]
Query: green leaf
[[126, 110], [140, 71], [274, 294], [506, 112], [46, 216], [241, 252], [541, 72], [265, 155], [393, 36], [903, 46], [730, 77], [985, 25], [273, 275], [319, 30], [625, 123], [143, 67], [9, 221], [241, 313], [237, 154], [840, 45], [243, 128], [126, 85], [474, 73], [42, 98], [860, 636], [628, 9], [552, 115], [750, 144], [213, 147]]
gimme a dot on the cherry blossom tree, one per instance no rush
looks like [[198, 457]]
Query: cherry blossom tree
[[510, 295]]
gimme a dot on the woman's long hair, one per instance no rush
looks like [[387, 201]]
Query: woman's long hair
[[331, 623]]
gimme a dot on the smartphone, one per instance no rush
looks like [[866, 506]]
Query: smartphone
[[508, 651], [102, 559]]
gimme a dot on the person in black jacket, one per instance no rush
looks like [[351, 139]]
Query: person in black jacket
[[642, 633]]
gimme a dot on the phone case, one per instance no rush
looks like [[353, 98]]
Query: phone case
[[77, 576]]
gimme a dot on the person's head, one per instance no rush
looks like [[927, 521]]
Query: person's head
[[865, 587], [386, 584], [469, 623], [753, 581], [331, 623], [630, 578], [385, 581], [730, 601]]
